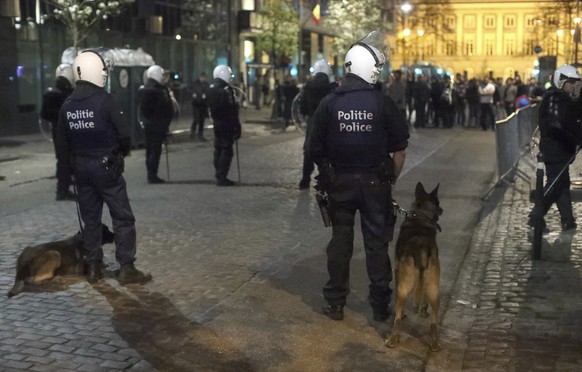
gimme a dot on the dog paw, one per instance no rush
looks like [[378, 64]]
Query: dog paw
[[392, 341]]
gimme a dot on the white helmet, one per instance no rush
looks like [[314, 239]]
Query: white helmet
[[90, 66], [222, 72], [155, 72], [65, 70], [564, 73], [366, 61], [321, 66]]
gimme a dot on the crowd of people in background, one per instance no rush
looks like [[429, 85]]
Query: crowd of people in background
[[437, 101], [446, 101]]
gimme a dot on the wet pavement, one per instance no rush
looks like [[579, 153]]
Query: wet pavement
[[249, 303]]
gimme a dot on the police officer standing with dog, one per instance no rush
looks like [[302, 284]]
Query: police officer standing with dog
[[93, 136], [227, 129], [156, 111], [52, 100], [356, 129]]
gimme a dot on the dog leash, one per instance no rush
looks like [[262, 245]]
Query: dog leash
[[406, 213], [398, 208]]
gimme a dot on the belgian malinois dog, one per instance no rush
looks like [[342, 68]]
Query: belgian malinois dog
[[42, 262], [417, 262]]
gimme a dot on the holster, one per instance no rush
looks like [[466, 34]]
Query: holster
[[325, 178], [323, 204], [113, 163], [386, 170]]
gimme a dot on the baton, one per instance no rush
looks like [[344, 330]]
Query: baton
[[237, 161], [167, 158], [562, 171]]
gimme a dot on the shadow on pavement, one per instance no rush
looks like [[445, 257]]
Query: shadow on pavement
[[151, 325], [547, 327]]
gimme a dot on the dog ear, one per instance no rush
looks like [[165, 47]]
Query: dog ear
[[419, 190], [435, 192]]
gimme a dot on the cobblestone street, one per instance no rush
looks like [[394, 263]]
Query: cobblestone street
[[238, 272]]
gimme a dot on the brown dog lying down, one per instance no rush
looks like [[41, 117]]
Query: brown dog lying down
[[42, 262]]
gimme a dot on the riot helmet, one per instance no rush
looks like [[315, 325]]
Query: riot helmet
[[155, 72], [66, 71], [90, 66], [366, 57], [563, 74], [321, 66], [222, 72]]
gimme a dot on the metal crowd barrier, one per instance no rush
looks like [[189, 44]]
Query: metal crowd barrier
[[513, 138]]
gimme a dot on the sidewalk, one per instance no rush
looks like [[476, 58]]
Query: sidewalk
[[509, 312]]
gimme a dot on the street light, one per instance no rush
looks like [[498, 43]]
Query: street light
[[420, 33], [559, 34], [405, 7]]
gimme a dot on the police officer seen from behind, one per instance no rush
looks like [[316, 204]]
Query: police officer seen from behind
[[156, 110], [560, 127], [356, 129], [313, 92], [227, 129], [52, 100], [199, 107], [93, 136]]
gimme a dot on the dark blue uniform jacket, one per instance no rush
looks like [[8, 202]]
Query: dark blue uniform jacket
[[91, 124], [357, 126]]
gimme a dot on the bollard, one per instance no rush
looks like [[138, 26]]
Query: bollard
[[539, 202]]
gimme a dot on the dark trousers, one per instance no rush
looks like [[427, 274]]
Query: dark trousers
[[96, 186], [199, 115], [420, 110], [153, 152], [349, 193], [559, 194], [487, 116], [223, 154], [64, 174]]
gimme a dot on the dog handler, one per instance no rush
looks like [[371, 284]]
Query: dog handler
[[94, 137], [356, 128]]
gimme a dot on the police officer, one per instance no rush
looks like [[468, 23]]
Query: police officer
[[560, 134], [227, 129], [199, 107], [356, 128], [52, 100], [156, 110], [93, 135], [313, 92]]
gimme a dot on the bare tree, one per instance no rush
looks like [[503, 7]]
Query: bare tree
[[81, 16]]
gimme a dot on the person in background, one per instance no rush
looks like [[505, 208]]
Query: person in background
[[52, 100], [313, 92], [288, 92], [199, 107], [559, 120], [224, 110], [156, 112]]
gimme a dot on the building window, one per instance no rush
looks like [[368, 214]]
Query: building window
[[529, 46], [552, 20], [489, 46], [509, 21], [531, 20], [469, 46], [469, 21], [450, 23], [450, 48], [509, 46], [489, 21]]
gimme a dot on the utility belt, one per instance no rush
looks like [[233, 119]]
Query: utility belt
[[384, 171], [109, 159]]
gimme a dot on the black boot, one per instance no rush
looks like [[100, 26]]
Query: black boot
[[335, 312], [93, 272], [128, 274], [224, 182]]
